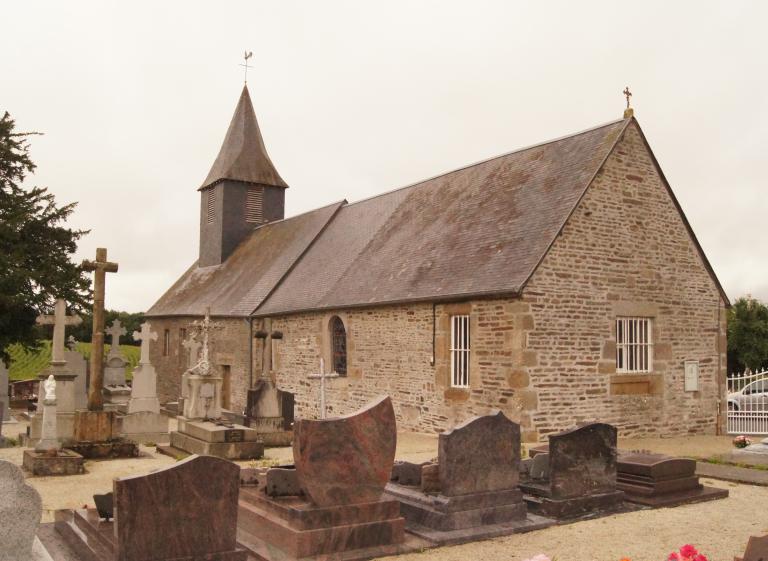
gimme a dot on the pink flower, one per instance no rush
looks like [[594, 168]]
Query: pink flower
[[700, 557], [673, 556], [688, 551], [539, 557]]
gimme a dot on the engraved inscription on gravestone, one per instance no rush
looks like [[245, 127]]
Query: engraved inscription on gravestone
[[234, 435]]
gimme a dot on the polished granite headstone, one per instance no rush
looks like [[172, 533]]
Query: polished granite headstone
[[474, 495], [658, 480], [580, 477], [20, 512], [757, 550], [186, 512], [337, 510]]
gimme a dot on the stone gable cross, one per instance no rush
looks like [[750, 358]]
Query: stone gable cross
[[627, 94], [145, 336], [115, 331], [60, 320], [323, 376]]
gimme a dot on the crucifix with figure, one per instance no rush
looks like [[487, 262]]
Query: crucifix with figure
[[100, 267], [60, 320], [323, 376]]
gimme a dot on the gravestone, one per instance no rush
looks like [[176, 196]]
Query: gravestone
[[20, 510], [658, 480], [474, 495], [757, 550], [184, 512], [49, 440], [116, 392], [341, 468], [77, 364], [269, 411], [580, 475], [5, 416], [143, 421]]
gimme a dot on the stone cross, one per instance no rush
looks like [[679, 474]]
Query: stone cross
[[193, 346], [100, 267], [204, 328], [322, 377], [60, 321], [145, 336], [115, 331]]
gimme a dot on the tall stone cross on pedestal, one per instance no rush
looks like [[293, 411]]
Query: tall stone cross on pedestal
[[322, 377], [145, 336], [60, 321], [100, 267], [115, 331]]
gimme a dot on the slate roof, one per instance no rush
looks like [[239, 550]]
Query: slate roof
[[240, 284], [479, 230], [243, 156]]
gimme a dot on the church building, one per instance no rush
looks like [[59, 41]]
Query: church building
[[560, 283]]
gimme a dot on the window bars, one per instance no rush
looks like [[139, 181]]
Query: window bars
[[460, 351], [634, 344]]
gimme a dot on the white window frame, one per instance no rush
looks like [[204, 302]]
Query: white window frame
[[460, 351], [634, 345]]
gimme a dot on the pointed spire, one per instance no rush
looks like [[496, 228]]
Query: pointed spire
[[243, 156]]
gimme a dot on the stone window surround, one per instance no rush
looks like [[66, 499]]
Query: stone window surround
[[326, 340], [166, 342], [646, 383], [443, 351]]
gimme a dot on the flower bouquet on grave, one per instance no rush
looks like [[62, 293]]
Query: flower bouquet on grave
[[687, 553], [741, 441], [540, 557]]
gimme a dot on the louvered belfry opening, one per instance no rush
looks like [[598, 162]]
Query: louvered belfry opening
[[254, 205], [210, 204]]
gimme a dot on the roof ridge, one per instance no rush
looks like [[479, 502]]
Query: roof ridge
[[490, 159], [342, 202]]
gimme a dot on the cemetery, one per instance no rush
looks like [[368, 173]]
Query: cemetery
[[215, 351]]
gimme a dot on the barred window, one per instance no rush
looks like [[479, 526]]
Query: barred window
[[634, 344], [210, 204], [460, 351], [253, 205], [338, 346]]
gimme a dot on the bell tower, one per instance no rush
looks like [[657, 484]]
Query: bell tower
[[242, 191]]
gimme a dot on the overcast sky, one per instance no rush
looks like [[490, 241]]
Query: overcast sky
[[358, 98]]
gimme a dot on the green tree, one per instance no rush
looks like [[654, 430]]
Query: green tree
[[131, 322], [747, 335], [35, 248]]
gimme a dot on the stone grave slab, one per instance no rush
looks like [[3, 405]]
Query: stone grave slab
[[757, 550], [658, 480], [331, 505], [470, 493], [159, 518], [579, 477], [20, 510]]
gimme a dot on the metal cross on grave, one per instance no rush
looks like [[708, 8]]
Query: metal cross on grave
[[322, 377], [204, 328], [60, 320], [115, 331], [145, 336]]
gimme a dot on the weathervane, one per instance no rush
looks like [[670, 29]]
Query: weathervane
[[246, 56]]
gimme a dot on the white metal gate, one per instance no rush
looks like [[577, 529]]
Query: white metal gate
[[748, 403]]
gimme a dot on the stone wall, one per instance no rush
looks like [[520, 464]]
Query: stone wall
[[229, 350], [548, 358]]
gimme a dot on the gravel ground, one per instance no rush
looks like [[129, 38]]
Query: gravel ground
[[719, 528]]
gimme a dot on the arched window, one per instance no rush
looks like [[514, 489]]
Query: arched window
[[338, 346]]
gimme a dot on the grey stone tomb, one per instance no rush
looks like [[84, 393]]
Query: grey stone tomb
[[20, 512], [116, 392], [77, 364]]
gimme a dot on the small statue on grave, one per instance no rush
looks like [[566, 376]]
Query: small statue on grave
[[50, 389]]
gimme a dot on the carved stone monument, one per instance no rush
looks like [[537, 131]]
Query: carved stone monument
[[20, 510], [116, 392], [62, 373], [662, 481], [48, 458], [475, 495], [341, 468], [201, 429], [580, 477], [185, 512], [757, 550], [270, 412], [77, 364], [143, 421]]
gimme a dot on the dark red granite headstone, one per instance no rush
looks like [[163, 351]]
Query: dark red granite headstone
[[757, 550], [480, 455], [188, 510], [346, 460], [582, 461]]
